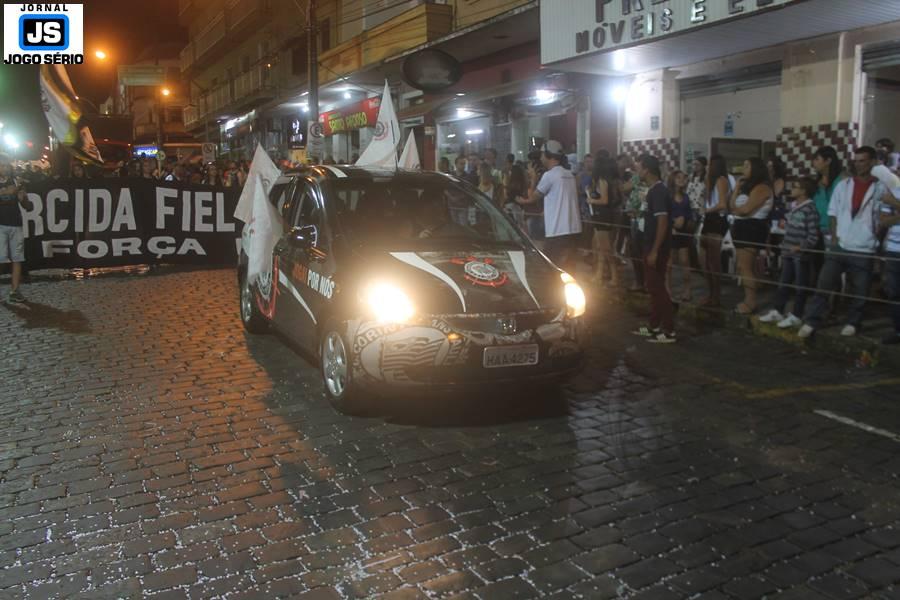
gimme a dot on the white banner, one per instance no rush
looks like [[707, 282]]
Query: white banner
[[409, 159], [263, 223], [382, 150]]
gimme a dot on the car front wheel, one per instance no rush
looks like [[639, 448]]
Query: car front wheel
[[252, 319], [337, 376]]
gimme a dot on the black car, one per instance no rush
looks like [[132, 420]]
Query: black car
[[407, 280]]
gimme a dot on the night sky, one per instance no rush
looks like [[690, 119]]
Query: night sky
[[122, 28]]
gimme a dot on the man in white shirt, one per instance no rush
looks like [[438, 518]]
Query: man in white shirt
[[854, 213], [562, 220], [890, 220]]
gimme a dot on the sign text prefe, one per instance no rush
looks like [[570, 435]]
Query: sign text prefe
[[355, 116], [576, 27], [116, 222]]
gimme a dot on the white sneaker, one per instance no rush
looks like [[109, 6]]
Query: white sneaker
[[663, 338], [805, 331], [789, 322], [773, 316], [848, 331]]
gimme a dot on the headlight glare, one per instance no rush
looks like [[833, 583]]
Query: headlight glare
[[388, 303], [576, 302]]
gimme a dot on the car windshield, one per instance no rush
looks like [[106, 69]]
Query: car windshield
[[418, 213]]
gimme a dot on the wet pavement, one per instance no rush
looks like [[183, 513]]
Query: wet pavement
[[149, 448]]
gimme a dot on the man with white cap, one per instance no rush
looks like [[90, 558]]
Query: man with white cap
[[562, 218]]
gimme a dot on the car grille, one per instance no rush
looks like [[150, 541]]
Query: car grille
[[498, 323]]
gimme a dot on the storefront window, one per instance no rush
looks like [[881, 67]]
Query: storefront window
[[464, 136]]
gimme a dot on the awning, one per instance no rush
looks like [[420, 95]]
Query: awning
[[748, 78], [471, 100], [476, 99], [420, 110]]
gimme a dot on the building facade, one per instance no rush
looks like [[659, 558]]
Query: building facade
[[736, 77], [246, 68]]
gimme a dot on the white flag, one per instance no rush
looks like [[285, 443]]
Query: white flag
[[60, 103], [382, 150], [409, 159], [263, 223]]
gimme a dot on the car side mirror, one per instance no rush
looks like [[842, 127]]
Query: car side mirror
[[304, 237]]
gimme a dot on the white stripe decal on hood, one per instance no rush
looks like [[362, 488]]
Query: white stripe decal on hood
[[283, 279], [517, 258], [414, 260]]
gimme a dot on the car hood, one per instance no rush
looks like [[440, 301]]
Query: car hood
[[468, 282]]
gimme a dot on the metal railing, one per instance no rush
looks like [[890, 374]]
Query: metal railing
[[254, 80], [240, 12], [213, 33], [699, 238], [191, 116], [186, 57]]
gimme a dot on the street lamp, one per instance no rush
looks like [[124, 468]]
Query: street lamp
[[166, 91], [13, 144], [100, 54]]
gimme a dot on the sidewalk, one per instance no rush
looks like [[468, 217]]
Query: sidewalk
[[865, 348]]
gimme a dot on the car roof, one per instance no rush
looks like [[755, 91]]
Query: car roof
[[338, 172]]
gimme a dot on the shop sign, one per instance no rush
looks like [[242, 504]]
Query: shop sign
[[315, 140], [571, 28], [146, 150], [297, 138], [209, 152], [355, 116], [232, 123]]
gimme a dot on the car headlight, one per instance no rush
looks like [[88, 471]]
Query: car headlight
[[388, 303], [575, 299]]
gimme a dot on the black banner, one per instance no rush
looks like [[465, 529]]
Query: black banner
[[115, 222]]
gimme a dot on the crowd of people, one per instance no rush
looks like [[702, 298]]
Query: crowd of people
[[222, 173], [809, 234]]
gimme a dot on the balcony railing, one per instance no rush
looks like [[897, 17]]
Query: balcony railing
[[191, 116], [219, 98], [228, 25], [240, 12], [211, 35], [251, 81], [187, 57]]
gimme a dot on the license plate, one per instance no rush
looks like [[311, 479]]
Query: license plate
[[510, 356]]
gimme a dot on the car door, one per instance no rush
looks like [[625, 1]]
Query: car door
[[318, 261], [300, 252]]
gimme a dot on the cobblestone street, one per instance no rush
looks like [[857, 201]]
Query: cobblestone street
[[148, 447]]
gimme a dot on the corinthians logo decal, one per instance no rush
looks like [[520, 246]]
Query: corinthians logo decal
[[481, 272]]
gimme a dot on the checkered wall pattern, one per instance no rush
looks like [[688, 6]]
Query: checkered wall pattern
[[667, 150], [796, 146]]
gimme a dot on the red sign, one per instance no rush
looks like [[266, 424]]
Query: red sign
[[355, 116]]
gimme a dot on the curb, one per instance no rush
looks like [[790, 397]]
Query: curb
[[866, 352]]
